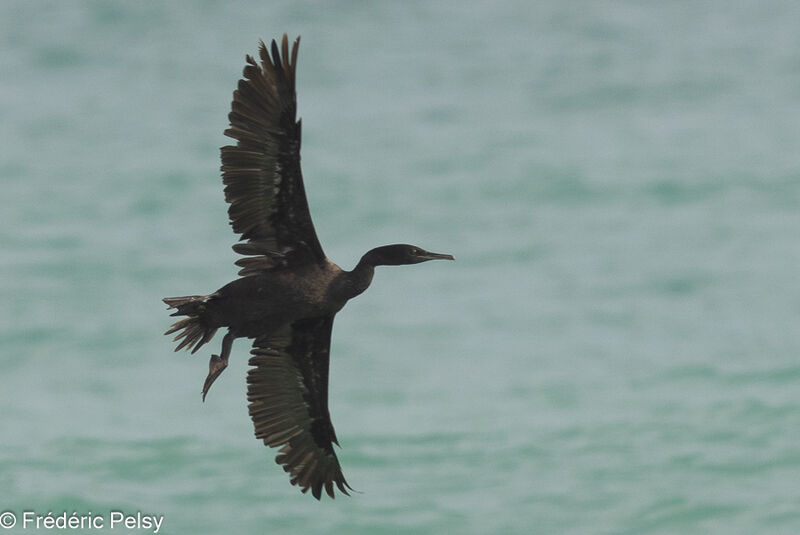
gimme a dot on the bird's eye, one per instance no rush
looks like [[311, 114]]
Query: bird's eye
[[414, 251]]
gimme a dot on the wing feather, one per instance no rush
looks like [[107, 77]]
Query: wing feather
[[261, 173], [288, 393]]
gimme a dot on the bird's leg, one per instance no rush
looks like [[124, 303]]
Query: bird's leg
[[218, 363]]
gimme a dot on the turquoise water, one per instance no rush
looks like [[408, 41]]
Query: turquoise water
[[614, 351]]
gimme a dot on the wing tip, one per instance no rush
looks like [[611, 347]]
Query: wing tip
[[278, 56], [327, 484]]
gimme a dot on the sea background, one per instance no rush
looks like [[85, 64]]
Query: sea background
[[614, 351]]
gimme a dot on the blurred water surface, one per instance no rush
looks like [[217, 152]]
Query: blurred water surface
[[614, 350]]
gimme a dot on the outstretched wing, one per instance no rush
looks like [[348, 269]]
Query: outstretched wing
[[288, 394], [262, 177]]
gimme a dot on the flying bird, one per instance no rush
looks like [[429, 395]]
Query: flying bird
[[288, 291]]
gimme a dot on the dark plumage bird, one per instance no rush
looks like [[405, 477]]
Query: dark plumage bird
[[288, 291]]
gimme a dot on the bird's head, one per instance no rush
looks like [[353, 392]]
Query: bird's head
[[401, 254]]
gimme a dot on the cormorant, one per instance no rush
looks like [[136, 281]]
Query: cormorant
[[288, 291]]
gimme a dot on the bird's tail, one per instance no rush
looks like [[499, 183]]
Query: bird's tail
[[193, 330]]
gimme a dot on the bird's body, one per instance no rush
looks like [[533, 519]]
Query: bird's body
[[289, 291], [248, 304]]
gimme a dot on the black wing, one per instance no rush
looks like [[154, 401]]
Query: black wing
[[262, 177], [288, 394]]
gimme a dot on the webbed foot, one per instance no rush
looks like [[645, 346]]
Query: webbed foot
[[215, 367], [218, 363]]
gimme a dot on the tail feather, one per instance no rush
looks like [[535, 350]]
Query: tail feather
[[193, 332]]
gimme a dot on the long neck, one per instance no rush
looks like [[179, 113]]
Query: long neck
[[360, 277]]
